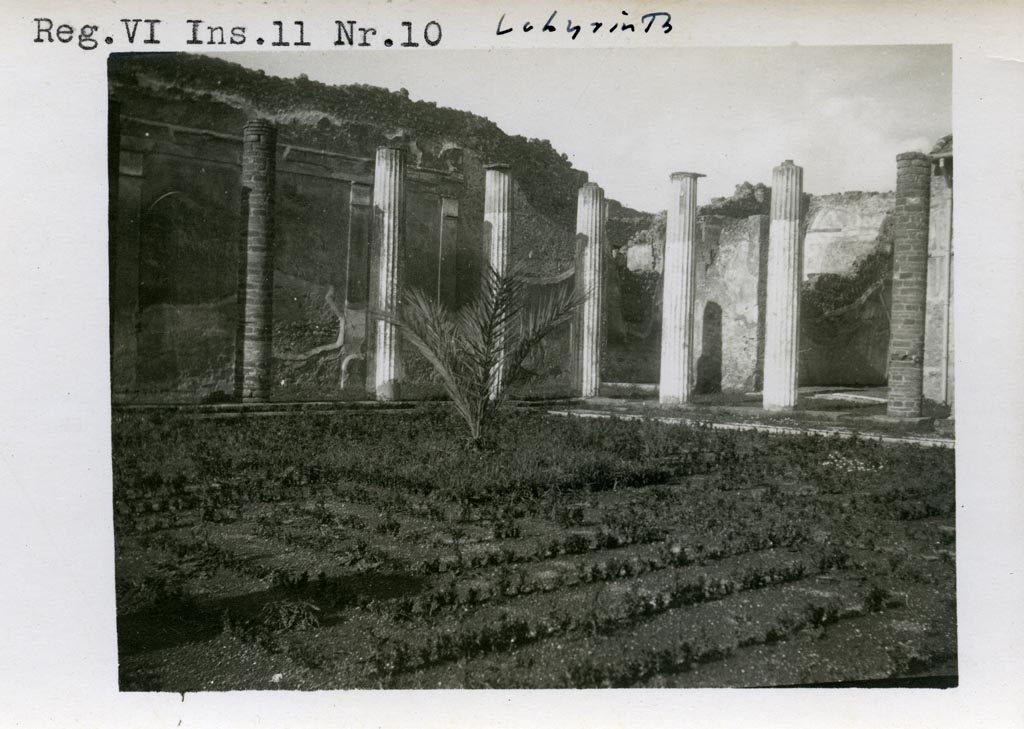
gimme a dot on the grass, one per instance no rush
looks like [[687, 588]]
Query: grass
[[358, 549]]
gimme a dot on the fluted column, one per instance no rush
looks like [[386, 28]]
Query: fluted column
[[782, 307], [590, 230], [498, 224], [675, 382], [909, 284], [388, 240], [254, 348]]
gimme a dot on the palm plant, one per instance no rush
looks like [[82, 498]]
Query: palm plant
[[480, 351]]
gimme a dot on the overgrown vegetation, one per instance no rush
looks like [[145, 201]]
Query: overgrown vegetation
[[573, 553], [354, 117], [834, 306]]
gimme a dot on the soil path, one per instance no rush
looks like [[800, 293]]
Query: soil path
[[920, 440]]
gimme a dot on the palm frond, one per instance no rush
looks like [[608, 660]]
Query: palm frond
[[539, 322], [480, 350]]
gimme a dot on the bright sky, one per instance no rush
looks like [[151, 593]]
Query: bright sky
[[630, 118]]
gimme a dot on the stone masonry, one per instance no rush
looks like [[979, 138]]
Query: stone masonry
[[728, 311]]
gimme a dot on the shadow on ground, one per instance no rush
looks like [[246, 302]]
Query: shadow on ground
[[188, 620]]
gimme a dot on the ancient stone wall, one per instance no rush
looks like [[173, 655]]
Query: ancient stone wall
[[842, 229], [176, 262], [181, 203], [729, 312]]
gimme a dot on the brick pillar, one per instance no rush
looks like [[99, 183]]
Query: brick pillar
[[590, 233], [909, 284], [676, 379], [498, 226], [386, 269], [254, 344], [782, 301]]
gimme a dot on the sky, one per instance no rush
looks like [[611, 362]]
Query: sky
[[632, 117]]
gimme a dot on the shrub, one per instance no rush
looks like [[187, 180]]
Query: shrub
[[479, 351]]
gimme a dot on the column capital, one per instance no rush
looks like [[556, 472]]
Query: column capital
[[498, 167], [682, 175], [913, 155]]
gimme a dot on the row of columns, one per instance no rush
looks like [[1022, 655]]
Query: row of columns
[[782, 307], [254, 342], [784, 275]]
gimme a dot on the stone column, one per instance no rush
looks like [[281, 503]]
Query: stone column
[[254, 346], [590, 232], [909, 279], [938, 318], [386, 271], [498, 225], [782, 304], [675, 381]]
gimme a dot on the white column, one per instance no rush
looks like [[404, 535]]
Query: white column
[[498, 225], [782, 307], [388, 238], [590, 230], [676, 379]]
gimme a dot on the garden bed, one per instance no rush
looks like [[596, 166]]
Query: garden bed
[[350, 550]]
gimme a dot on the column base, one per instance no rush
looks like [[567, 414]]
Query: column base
[[390, 390], [773, 408]]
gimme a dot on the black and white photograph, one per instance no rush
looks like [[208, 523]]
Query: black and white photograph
[[405, 399], [418, 364]]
